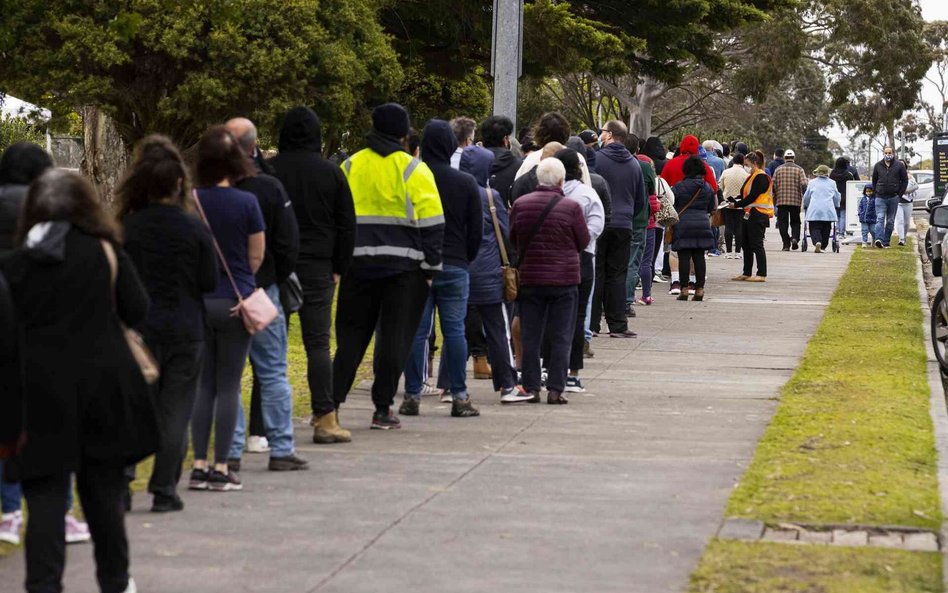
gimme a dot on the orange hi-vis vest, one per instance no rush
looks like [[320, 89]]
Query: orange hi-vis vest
[[765, 201]]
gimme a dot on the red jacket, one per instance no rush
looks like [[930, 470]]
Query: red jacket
[[654, 207], [673, 172], [553, 257]]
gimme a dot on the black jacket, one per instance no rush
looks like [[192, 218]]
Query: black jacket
[[177, 263], [503, 172], [655, 150], [11, 197], [82, 410], [889, 181], [460, 196], [318, 189], [841, 176], [282, 232]]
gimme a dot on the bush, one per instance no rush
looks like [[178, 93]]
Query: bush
[[15, 129]]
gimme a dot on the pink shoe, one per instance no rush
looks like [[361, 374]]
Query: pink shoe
[[10, 525], [76, 531], [644, 301]]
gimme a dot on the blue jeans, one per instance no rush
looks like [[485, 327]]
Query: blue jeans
[[841, 225], [886, 209], [589, 306], [10, 494], [635, 262], [268, 357], [449, 292]]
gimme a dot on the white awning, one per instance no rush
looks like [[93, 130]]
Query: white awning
[[10, 106]]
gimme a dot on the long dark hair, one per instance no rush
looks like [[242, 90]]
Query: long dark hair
[[157, 173], [60, 195], [220, 157]]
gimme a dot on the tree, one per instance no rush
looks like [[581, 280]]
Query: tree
[[176, 67]]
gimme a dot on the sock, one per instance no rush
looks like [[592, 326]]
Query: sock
[[692, 278], [674, 276]]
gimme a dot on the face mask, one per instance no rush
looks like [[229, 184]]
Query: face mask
[[748, 168], [889, 157]]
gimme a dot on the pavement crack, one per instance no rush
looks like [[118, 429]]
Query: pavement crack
[[361, 552]]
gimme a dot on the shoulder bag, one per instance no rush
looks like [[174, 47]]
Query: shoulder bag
[[257, 311], [669, 230], [291, 294], [666, 215], [140, 352], [510, 275]]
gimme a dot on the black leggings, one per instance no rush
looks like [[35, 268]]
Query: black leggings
[[820, 232], [685, 258]]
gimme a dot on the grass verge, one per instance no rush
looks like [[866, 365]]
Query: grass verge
[[852, 442]]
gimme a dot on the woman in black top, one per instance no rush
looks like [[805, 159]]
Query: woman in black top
[[841, 175], [755, 221], [173, 252], [85, 403], [694, 199]]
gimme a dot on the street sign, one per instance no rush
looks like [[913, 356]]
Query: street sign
[[940, 162]]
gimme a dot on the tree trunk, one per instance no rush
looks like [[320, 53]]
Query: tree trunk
[[104, 155], [647, 92]]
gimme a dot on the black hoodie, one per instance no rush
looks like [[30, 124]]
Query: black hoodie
[[504, 171], [655, 150], [318, 189], [460, 196]]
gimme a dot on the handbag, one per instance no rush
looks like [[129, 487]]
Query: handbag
[[509, 274], [666, 215], [717, 218], [291, 294], [140, 353], [670, 229], [533, 233], [256, 311]]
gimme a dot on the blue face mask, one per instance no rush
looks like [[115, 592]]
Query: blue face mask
[[889, 157]]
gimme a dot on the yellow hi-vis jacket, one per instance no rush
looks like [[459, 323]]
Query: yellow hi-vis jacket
[[765, 201], [399, 217]]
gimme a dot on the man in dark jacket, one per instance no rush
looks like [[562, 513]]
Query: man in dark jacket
[[890, 180], [326, 218], [777, 162], [461, 201], [495, 136], [268, 349], [623, 173]]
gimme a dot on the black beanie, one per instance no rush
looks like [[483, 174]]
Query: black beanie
[[391, 119]]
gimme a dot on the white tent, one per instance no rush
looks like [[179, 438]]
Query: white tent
[[11, 107]]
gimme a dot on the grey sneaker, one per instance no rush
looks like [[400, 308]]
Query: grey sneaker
[[463, 408], [289, 463], [409, 407]]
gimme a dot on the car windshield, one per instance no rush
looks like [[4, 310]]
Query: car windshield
[[922, 177]]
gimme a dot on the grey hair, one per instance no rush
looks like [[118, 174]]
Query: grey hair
[[551, 172]]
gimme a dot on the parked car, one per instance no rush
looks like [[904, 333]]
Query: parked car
[[926, 187], [938, 236]]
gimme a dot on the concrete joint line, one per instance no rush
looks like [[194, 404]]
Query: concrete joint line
[[873, 536], [361, 552]]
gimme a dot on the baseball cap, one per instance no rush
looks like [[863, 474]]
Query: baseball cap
[[588, 136], [789, 154]]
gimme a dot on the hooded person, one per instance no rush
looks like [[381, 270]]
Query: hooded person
[[463, 230], [326, 219], [487, 284], [673, 171], [496, 136], [655, 150], [398, 247]]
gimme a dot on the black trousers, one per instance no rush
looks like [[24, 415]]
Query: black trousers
[[394, 304], [755, 228], [101, 486], [687, 257], [180, 365], [788, 216], [474, 332], [612, 267], [315, 322], [820, 232], [547, 310], [496, 328], [734, 229]]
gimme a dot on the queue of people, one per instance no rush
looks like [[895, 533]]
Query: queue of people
[[518, 252]]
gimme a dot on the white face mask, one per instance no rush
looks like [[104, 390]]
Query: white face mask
[[748, 168]]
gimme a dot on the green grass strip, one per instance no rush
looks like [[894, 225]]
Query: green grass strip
[[852, 440], [741, 567]]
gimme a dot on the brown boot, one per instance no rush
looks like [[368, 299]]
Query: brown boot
[[684, 295], [327, 430], [699, 294], [481, 368]]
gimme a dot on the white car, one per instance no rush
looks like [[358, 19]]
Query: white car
[[926, 187]]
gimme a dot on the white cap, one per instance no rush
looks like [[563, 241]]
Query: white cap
[[789, 154]]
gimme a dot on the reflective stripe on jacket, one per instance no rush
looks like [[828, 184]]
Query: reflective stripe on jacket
[[765, 201], [399, 218]]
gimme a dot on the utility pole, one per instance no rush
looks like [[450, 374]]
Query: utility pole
[[507, 56]]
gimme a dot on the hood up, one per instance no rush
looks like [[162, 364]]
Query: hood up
[[689, 145], [477, 161], [654, 149], [301, 131], [438, 142]]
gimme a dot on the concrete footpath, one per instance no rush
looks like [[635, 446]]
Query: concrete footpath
[[618, 491]]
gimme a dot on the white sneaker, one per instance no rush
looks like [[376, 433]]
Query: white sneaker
[[659, 278], [258, 445], [446, 398], [515, 395], [131, 588], [427, 389], [76, 531], [10, 526]]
